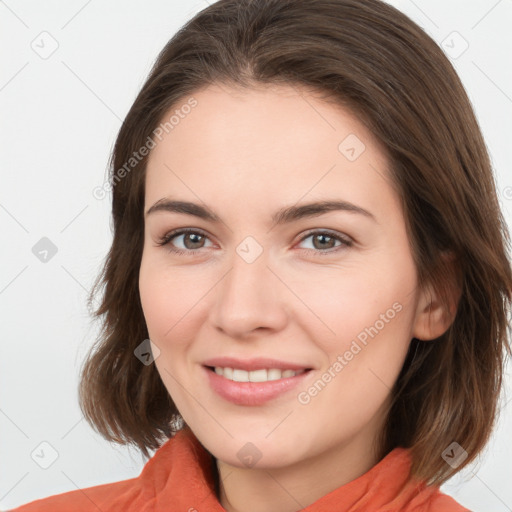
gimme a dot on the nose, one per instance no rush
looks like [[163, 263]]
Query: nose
[[249, 297]]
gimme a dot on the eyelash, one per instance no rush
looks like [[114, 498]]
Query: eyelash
[[166, 239]]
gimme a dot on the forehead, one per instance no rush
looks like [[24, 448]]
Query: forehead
[[270, 143]]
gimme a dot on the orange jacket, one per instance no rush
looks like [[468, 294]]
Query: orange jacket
[[179, 477]]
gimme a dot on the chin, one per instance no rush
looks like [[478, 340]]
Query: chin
[[253, 450]]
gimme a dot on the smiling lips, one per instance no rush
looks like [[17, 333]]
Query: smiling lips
[[253, 382]]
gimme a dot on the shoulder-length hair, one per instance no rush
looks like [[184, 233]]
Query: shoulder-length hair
[[370, 58]]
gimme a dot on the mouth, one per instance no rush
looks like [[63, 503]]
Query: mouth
[[254, 387]]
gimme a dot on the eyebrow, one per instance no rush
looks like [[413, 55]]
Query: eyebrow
[[283, 216]]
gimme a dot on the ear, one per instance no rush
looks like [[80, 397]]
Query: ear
[[434, 315]]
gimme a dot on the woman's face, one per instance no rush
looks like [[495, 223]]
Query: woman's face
[[332, 290]]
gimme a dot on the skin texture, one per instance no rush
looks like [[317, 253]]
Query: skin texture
[[245, 154]]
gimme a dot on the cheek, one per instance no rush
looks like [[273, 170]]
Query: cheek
[[167, 306], [372, 321], [363, 324], [342, 303], [162, 300], [174, 302], [156, 304]]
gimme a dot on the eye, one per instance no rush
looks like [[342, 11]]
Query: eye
[[324, 241], [192, 239]]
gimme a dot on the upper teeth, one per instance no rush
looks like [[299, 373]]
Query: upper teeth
[[263, 375]]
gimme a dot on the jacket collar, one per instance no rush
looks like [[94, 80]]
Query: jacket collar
[[181, 472]]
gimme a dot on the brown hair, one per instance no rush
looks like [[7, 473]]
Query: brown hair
[[370, 58]]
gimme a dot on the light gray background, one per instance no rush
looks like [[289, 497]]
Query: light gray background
[[60, 115]]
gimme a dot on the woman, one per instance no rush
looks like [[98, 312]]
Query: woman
[[305, 301]]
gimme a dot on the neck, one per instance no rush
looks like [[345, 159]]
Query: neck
[[292, 488]]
